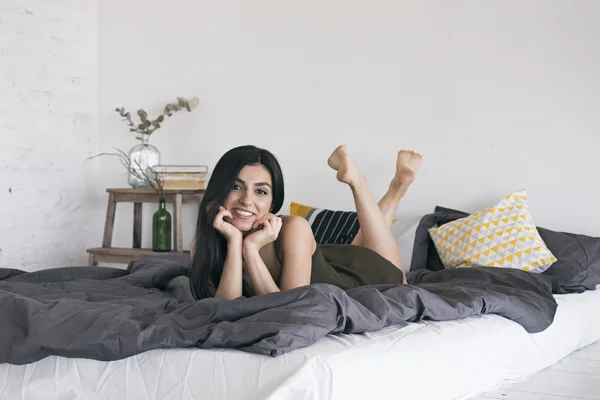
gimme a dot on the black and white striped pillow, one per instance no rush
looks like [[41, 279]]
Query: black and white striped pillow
[[329, 226]]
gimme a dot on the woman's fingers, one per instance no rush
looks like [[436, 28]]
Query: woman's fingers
[[259, 221], [277, 224], [268, 221], [272, 223], [225, 212], [268, 227], [220, 215]]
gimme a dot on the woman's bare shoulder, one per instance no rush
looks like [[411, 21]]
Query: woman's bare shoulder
[[294, 222], [294, 231]]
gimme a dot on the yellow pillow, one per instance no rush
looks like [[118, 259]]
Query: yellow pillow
[[500, 236], [300, 209]]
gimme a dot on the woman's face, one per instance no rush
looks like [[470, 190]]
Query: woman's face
[[250, 198]]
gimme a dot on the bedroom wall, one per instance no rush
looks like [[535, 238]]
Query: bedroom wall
[[48, 127], [496, 95]]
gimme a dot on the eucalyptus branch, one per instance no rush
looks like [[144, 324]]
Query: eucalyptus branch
[[148, 126]]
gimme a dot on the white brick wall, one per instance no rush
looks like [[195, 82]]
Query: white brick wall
[[48, 126]]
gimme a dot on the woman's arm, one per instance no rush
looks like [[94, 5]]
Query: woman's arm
[[262, 281], [297, 244], [230, 286]]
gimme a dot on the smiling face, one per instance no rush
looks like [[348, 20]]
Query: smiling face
[[250, 198]]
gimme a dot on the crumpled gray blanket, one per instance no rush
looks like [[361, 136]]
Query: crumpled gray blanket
[[109, 314]]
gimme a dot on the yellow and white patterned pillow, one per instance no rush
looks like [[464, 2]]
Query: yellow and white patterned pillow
[[500, 236]]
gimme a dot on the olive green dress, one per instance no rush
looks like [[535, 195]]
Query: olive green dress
[[349, 266]]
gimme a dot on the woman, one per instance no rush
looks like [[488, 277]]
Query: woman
[[243, 248]]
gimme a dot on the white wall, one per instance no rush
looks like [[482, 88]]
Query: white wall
[[497, 95], [48, 126]]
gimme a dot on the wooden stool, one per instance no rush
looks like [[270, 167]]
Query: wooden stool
[[106, 253]]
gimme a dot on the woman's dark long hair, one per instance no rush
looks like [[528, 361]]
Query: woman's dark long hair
[[211, 246]]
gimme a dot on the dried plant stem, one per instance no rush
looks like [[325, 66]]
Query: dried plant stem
[[148, 175]]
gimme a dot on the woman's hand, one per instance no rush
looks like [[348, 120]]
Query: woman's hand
[[229, 232], [268, 228]]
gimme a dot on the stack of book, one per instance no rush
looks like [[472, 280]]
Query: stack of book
[[182, 176]]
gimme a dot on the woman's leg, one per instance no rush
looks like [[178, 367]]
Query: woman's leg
[[406, 164], [376, 234]]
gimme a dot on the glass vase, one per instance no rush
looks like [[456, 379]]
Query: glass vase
[[161, 228], [142, 157]]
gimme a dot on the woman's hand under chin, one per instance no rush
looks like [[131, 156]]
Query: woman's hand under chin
[[264, 230], [229, 231]]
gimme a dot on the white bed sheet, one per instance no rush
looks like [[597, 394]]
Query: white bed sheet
[[431, 360]]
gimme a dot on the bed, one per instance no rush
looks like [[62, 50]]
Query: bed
[[429, 360], [422, 354]]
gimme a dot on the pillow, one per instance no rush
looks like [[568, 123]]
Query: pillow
[[578, 265], [576, 270], [424, 254], [341, 227], [328, 226], [503, 235]]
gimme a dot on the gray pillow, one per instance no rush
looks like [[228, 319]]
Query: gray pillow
[[578, 256], [425, 254]]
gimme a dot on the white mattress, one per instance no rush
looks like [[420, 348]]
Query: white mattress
[[434, 360]]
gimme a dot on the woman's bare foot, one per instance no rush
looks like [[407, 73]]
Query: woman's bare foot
[[406, 167], [347, 171]]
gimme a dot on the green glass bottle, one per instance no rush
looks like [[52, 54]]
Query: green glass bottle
[[161, 228]]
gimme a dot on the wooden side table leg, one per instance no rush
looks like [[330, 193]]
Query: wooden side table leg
[[177, 215], [109, 223], [93, 262], [137, 225]]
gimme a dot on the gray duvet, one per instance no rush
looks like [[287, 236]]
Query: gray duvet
[[109, 314]]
